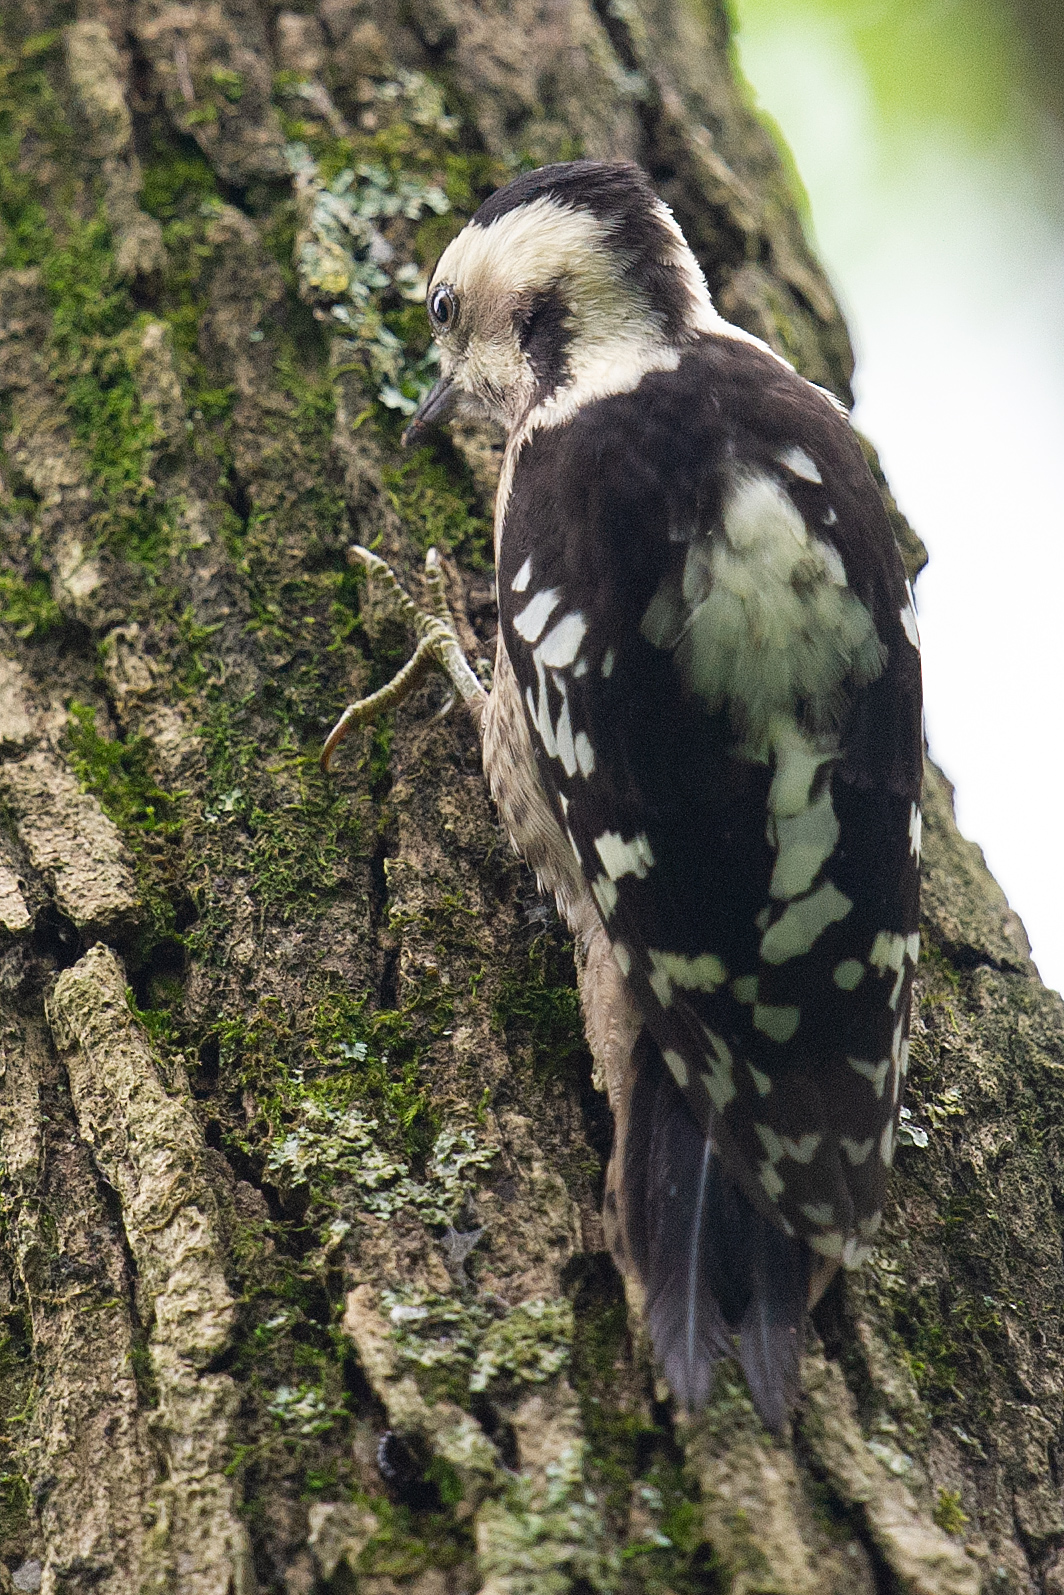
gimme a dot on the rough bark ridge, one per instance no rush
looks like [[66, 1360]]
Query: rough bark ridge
[[303, 1280]]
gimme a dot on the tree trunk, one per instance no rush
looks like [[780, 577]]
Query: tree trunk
[[304, 1281]]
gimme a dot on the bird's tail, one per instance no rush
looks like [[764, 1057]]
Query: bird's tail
[[710, 1265]]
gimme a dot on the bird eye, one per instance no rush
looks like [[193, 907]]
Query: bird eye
[[443, 307]]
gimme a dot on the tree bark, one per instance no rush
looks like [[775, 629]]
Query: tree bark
[[304, 1285]]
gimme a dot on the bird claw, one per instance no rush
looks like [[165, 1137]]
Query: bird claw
[[438, 648]]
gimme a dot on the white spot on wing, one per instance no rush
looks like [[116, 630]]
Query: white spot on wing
[[623, 958], [830, 1245], [916, 831], [661, 986], [804, 841], [608, 660], [876, 1072], [818, 1212], [762, 1081], [848, 974], [677, 1067], [770, 1180], [889, 952], [530, 622], [802, 922], [804, 1149], [777, 1023], [796, 764], [585, 753], [719, 1082], [907, 617], [624, 858], [758, 513], [562, 643], [563, 738], [744, 989], [774, 628], [833, 563], [523, 577], [801, 463], [704, 973], [605, 894], [770, 1141], [856, 1151]]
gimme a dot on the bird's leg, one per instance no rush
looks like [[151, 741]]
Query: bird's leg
[[438, 648]]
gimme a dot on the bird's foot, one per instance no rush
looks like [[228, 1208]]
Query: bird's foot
[[438, 648]]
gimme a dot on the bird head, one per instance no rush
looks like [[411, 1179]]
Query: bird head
[[568, 284]]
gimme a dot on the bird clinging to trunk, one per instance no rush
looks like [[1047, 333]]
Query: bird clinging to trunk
[[704, 737]]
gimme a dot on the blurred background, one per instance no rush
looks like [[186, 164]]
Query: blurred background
[[929, 138]]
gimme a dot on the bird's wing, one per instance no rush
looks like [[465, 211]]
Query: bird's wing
[[709, 621]]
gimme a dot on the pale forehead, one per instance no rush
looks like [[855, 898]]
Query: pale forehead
[[523, 249]]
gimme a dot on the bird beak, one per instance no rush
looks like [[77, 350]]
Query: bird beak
[[432, 409]]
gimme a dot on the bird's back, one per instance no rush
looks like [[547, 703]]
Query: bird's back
[[708, 622]]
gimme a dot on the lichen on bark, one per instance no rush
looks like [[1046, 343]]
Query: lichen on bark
[[304, 1285]]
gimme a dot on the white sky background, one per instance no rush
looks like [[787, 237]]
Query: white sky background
[[948, 257]]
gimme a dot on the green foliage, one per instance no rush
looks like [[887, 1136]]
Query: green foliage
[[119, 774], [460, 1349], [28, 607], [93, 360], [381, 1063], [269, 809], [177, 179], [16, 1508], [407, 1543], [181, 191], [541, 1006], [961, 69], [92, 351], [633, 1461], [437, 505], [927, 1345], [341, 1101], [948, 1514], [29, 107], [531, 1344], [438, 1337]]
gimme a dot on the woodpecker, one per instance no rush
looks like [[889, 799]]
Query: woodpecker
[[704, 736]]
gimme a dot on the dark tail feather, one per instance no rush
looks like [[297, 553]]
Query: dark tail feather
[[772, 1330], [711, 1265]]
